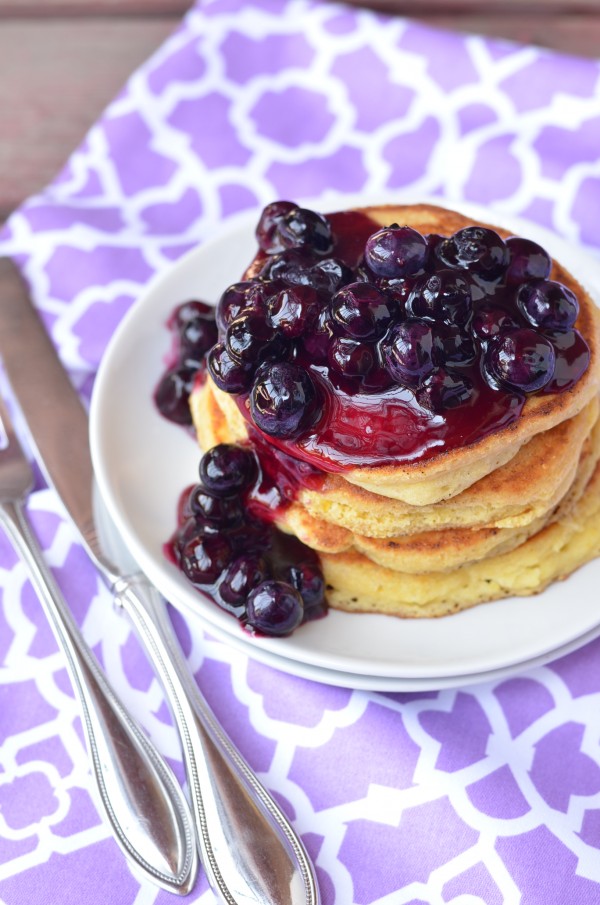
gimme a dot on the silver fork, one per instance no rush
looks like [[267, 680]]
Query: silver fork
[[141, 799]]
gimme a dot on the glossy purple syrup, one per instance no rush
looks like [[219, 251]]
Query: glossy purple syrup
[[364, 425], [250, 549], [390, 428]]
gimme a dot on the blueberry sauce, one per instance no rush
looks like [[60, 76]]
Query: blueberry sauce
[[226, 542], [349, 345], [405, 358], [193, 333], [228, 548]]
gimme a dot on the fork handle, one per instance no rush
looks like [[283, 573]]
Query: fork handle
[[249, 850], [142, 801]]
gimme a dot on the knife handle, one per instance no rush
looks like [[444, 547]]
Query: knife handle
[[142, 801], [250, 852]]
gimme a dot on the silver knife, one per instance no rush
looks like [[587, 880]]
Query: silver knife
[[250, 851], [141, 800]]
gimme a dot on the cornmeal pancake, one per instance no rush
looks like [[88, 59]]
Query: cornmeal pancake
[[356, 584], [439, 551], [515, 495], [426, 481]]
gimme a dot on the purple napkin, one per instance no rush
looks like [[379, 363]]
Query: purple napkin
[[488, 794]]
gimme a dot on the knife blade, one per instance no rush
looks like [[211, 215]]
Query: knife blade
[[250, 851]]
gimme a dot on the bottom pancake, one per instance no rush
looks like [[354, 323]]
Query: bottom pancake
[[356, 584]]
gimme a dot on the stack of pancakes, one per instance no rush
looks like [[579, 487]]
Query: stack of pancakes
[[504, 516]]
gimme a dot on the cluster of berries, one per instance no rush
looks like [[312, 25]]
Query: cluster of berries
[[420, 312]]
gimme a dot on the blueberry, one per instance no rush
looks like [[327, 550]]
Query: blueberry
[[229, 374], [408, 352], [232, 303], [351, 357], [301, 268], [195, 339], [274, 608], [328, 275], [267, 233], [453, 345], [227, 469], [528, 261], [521, 360], [433, 240], [171, 396], [572, 358], [250, 536], [444, 390], [284, 401], [258, 295], [203, 557], [398, 293], [476, 249], [290, 266], [361, 310], [199, 331], [308, 580], [395, 251], [215, 511], [294, 310], [442, 296], [302, 228], [490, 320], [248, 337], [188, 531], [548, 305], [318, 340], [242, 576], [190, 311]]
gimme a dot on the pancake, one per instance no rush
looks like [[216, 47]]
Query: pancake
[[439, 551], [355, 584], [422, 482], [516, 494], [442, 551]]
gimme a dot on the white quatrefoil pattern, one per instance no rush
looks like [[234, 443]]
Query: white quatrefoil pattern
[[487, 795]]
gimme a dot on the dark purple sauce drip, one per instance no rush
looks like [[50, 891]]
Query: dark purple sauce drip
[[247, 541]]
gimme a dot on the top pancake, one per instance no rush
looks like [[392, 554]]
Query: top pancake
[[450, 472], [520, 492]]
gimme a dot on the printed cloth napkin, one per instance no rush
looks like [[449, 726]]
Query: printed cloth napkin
[[483, 794]]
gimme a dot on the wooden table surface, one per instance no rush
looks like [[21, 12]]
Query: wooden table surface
[[63, 61]]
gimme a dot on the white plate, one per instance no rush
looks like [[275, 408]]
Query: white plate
[[143, 462]]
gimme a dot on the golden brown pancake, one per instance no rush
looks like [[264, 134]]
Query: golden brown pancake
[[523, 490], [442, 551], [356, 584]]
